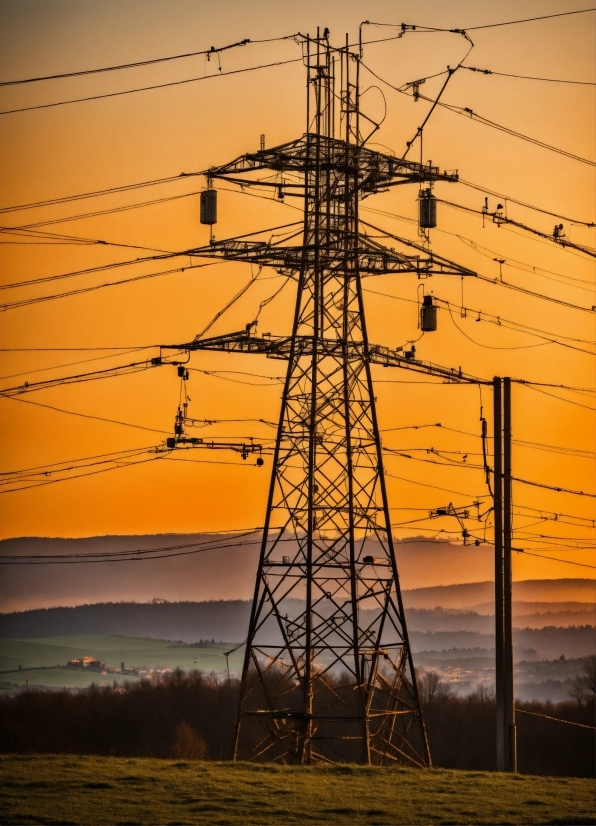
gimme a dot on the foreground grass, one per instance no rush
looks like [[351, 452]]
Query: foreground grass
[[98, 790]]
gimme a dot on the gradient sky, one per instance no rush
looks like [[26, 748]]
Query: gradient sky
[[83, 147]]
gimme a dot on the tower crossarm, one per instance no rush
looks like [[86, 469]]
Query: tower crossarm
[[280, 347], [372, 258], [374, 170]]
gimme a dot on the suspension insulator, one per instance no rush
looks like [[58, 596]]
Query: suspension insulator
[[428, 315], [427, 210], [209, 206]]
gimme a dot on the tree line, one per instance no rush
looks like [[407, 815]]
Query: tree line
[[191, 716]]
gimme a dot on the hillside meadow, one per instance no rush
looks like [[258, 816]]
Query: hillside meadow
[[105, 790]]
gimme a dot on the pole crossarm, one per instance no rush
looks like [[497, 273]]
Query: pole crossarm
[[371, 170], [280, 347], [371, 258]]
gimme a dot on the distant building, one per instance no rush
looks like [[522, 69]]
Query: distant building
[[89, 663]]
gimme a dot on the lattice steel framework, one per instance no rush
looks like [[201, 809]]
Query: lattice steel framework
[[328, 670]]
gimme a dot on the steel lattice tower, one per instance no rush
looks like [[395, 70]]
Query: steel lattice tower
[[328, 670]]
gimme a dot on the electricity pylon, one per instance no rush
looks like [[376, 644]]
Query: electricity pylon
[[328, 671]]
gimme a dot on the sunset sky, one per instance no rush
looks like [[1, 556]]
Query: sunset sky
[[83, 147]]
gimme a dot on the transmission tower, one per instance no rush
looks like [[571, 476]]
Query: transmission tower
[[328, 671]]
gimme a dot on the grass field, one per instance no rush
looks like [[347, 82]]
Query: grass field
[[38, 658], [103, 790]]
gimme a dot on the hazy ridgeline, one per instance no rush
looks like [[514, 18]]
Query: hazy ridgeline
[[191, 716]]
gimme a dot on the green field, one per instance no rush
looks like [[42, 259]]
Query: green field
[[90, 790], [38, 658]]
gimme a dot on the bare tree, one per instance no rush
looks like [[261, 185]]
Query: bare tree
[[584, 685], [432, 687]]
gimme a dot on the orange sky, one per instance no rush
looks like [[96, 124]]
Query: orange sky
[[88, 146]]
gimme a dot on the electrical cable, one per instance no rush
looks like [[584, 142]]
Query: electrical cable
[[554, 488], [556, 719], [73, 363], [110, 211], [513, 347], [166, 555], [118, 466], [529, 268], [500, 195], [529, 77], [99, 192], [82, 72], [500, 322], [525, 291], [151, 88], [436, 487], [241, 533], [425, 29], [488, 253], [503, 219], [109, 372], [60, 238], [86, 415], [90, 270], [553, 396], [469, 113], [25, 302], [498, 281], [553, 558]]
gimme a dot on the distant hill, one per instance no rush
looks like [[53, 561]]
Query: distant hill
[[479, 596], [426, 567], [228, 620], [226, 573]]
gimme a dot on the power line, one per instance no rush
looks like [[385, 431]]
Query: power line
[[499, 281], [60, 238], [553, 396], [150, 88], [425, 29], [528, 268], [499, 322], [25, 302], [110, 211], [487, 191], [86, 415], [488, 253], [90, 270], [555, 719], [469, 113], [553, 558], [82, 72], [544, 343], [436, 487], [530, 77], [554, 488], [99, 192], [235, 534], [166, 555], [530, 19], [73, 363], [503, 219]]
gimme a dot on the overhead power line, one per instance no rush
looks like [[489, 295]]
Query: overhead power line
[[98, 192], [426, 29], [534, 208], [211, 51], [530, 77], [500, 281], [110, 211], [469, 113], [530, 19], [152, 87], [499, 218]]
